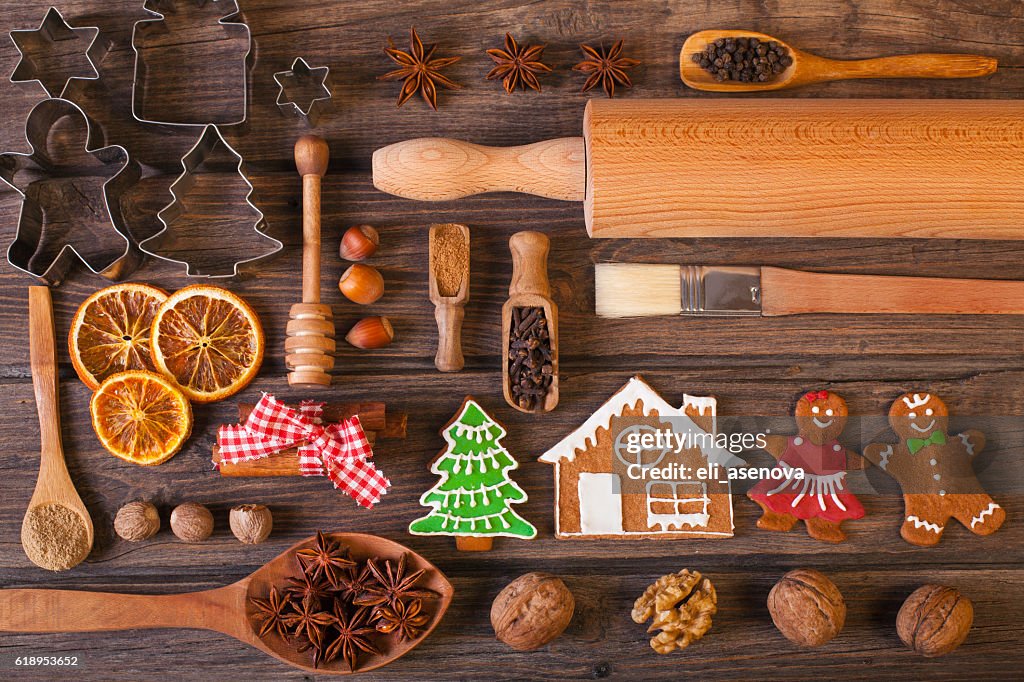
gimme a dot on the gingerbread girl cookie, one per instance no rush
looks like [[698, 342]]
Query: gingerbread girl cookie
[[934, 469], [819, 498]]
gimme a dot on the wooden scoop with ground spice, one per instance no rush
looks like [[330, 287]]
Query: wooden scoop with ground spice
[[449, 291]]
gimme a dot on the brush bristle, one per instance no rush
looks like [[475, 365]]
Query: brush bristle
[[636, 290]]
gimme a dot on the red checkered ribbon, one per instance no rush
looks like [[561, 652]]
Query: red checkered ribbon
[[339, 449]]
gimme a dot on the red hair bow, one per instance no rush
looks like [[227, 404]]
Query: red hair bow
[[820, 395]]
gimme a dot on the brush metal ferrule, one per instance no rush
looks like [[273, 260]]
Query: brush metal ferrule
[[713, 291]]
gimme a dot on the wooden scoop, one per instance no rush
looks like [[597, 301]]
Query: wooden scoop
[[226, 609], [808, 68], [54, 486], [448, 310], [530, 288]]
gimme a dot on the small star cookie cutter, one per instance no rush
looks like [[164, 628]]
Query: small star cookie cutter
[[55, 30], [49, 237], [302, 74]]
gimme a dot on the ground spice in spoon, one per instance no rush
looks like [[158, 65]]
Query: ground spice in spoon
[[55, 537], [450, 251]]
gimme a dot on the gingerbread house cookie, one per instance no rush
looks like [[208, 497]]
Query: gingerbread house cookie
[[604, 491]]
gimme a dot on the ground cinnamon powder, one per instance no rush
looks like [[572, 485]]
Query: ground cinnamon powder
[[55, 537], [449, 249]]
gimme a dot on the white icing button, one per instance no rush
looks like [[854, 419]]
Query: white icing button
[[933, 462], [837, 447], [937, 477], [942, 492], [798, 441]]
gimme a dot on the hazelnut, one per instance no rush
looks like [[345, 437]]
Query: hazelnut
[[137, 521], [807, 607], [531, 611], [934, 620], [359, 242], [371, 332], [192, 522], [251, 523], [361, 284]]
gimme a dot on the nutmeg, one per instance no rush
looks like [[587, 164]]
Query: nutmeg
[[807, 608], [361, 284], [251, 523], [137, 521], [192, 522], [371, 332], [531, 611], [359, 242], [935, 620]]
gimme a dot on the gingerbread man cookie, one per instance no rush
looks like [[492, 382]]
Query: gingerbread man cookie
[[935, 471], [819, 498]]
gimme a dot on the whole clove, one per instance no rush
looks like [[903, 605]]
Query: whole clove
[[529, 357], [743, 60]]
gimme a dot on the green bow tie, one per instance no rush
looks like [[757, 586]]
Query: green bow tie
[[915, 444]]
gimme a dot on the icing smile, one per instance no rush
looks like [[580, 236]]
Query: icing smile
[[924, 429], [820, 424]]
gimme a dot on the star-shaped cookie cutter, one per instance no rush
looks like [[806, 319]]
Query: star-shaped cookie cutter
[[32, 221], [55, 29], [301, 71]]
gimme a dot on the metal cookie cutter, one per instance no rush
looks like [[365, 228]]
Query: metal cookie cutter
[[59, 37], [71, 203], [313, 85], [146, 108], [202, 250]]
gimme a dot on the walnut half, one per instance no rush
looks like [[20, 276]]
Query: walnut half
[[681, 605]]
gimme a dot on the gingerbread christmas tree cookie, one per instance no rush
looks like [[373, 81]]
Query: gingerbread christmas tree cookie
[[819, 498], [473, 499], [935, 471]]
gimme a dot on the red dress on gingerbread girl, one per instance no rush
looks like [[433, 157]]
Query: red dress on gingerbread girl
[[820, 498]]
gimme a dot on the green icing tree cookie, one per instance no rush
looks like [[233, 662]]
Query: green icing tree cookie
[[473, 497]]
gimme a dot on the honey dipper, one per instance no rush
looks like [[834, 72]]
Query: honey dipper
[[309, 348]]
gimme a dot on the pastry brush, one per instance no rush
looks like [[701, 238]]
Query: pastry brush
[[641, 290]]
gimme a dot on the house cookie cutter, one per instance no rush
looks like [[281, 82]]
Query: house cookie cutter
[[232, 20], [55, 30], [45, 246], [313, 77], [204, 147]]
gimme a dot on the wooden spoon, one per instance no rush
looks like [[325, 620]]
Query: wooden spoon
[[808, 68], [529, 289], [53, 486], [448, 310], [225, 609]]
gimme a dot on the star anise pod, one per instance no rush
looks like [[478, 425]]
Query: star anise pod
[[353, 635], [606, 67], [420, 71], [356, 582], [517, 66], [309, 623], [272, 613], [305, 586], [325, 559], [393, 584], [404, 617]]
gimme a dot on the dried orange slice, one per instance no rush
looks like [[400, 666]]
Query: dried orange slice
[[141, 417], [110, 331], [208, 340]]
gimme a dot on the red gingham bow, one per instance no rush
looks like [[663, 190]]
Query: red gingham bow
[[820, 395], [341, 449]]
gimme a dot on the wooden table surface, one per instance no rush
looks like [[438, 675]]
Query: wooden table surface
[[754, 366]]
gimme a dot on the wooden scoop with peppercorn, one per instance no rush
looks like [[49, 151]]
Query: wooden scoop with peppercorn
[[529, 328], [746, 61], [335, 603]]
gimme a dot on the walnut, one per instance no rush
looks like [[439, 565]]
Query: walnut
[[137, 521], [192, 522], [934, 620], [682, 605], [807, 607], [531, 611], [251, 523]]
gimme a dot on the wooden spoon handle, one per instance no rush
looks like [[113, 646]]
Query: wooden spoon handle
[[449, 337], [529, 264], [791, 292], [438, 169], [916, 66], [43, 361]]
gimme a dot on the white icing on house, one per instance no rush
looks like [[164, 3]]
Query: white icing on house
[[916, 400], [675, 495]]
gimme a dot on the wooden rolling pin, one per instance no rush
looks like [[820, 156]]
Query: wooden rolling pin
[[754, 168]]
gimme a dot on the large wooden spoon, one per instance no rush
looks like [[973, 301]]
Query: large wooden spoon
[[808, 68], [54, 489], [226, 609]]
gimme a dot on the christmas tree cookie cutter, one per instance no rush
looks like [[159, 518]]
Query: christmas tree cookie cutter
[[145, 106], [303, 77], [467, 503], [206, 261], [51, 236], [56, 33]]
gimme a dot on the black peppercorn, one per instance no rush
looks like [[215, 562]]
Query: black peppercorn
[[744, 60]]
